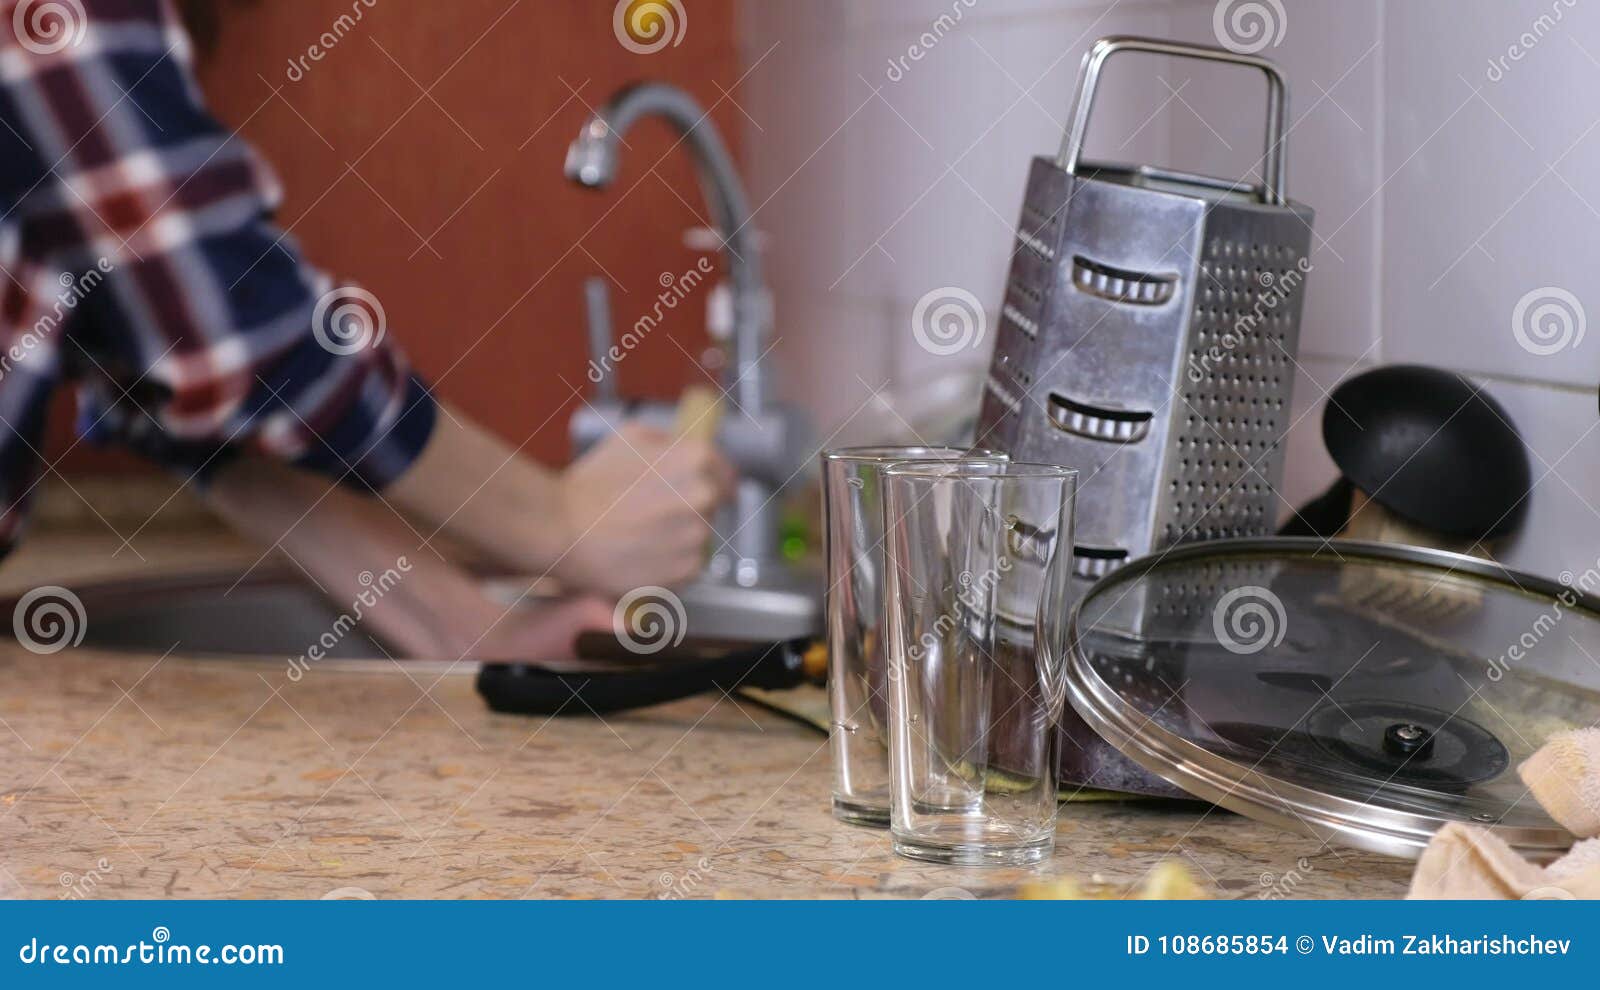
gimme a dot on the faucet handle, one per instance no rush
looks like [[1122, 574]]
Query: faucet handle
[[597, 313], [709, 239], [720, 317]]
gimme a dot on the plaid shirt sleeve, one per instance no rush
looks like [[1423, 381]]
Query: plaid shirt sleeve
[[142, 265]]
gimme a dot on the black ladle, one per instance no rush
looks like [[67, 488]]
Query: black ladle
[[1428, 446], [528, 689]]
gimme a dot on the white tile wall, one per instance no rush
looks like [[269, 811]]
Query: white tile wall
[[1494, 186], [1332, 55], [1446, 191], [877, 190]]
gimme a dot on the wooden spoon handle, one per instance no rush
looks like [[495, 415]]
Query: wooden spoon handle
[[699, 414]]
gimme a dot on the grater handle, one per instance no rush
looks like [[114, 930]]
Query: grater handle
[[1277, 101]]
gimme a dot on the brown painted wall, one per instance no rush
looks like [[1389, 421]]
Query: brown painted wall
[[380, 183]]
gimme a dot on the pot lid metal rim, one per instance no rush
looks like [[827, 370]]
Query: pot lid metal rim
[[1247, 790]]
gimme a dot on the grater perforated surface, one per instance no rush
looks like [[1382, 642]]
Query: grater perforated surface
[[1234, 400]]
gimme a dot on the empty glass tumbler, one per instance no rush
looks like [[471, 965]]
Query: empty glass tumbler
[[975, 701], [852, 509]]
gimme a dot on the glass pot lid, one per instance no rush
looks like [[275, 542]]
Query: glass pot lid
[[1363, 693]]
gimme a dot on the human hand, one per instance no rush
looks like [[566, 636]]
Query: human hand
[[637, 510], [545, 633]]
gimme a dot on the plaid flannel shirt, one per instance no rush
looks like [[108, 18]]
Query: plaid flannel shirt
[[141, 265]]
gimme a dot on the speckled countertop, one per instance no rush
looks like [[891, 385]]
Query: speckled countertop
[[137, 776]]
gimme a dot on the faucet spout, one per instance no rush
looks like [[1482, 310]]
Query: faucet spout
[[592, 161]]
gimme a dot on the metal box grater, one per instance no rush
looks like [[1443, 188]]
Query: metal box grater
[[1148, 338], [1148, 335]]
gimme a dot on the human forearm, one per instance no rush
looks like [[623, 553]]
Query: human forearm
[[429, 608], [343, 541], [480, 490], [632, 511]]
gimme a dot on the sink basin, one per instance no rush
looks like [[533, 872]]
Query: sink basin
[[273, 614], [267, 615]]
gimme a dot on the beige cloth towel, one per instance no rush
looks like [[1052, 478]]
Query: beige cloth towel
[[1469, 862], [1465, 862], [1564, 775]]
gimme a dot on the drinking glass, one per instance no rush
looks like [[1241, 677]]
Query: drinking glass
[[975, 699], [852, 509]]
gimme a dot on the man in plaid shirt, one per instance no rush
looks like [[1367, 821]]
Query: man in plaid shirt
[[142, 268]]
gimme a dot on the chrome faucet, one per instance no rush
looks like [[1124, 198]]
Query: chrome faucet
[[764, 440], [592, 161]]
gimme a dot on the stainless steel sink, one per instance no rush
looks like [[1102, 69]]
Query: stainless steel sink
[[267, 615], [274, 615]]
